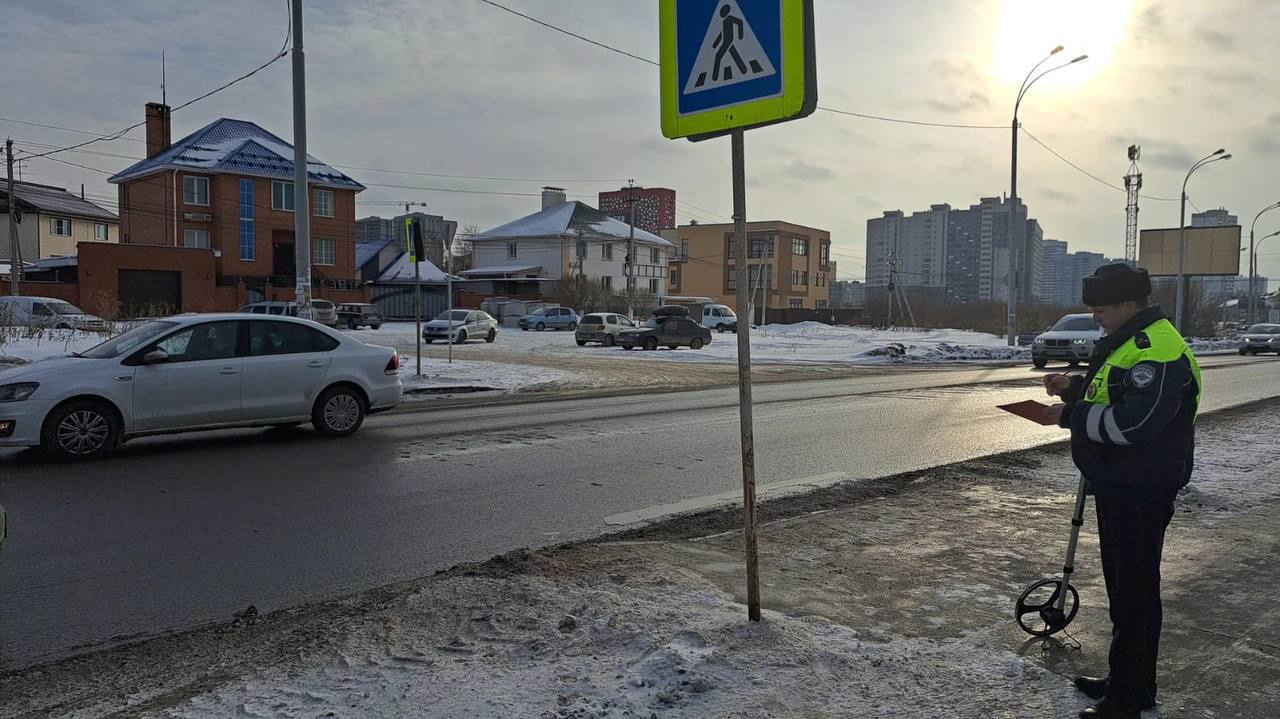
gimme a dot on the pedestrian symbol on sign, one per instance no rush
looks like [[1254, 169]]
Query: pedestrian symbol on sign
[[730, 53]]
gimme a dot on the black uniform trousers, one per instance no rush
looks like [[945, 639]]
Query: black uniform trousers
[[1131, 537]]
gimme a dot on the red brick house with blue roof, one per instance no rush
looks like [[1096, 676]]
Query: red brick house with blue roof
[[228, 188]]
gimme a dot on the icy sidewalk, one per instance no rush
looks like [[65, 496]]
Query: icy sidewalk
[[887, 598]]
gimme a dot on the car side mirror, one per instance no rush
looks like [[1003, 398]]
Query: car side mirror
[[155, 357]]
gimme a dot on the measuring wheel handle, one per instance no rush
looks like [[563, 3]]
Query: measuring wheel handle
[[1040, 616]]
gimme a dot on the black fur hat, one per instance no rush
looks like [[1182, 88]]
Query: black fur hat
[[1116, 283]]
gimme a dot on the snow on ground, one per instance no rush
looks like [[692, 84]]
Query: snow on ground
[[16, 350], [438, 376]]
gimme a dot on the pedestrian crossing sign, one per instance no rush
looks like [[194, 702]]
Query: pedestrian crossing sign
[[729, 64]]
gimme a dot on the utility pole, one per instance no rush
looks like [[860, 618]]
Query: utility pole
[[744, 379], [301, 195], [15, 247], [629, 267]]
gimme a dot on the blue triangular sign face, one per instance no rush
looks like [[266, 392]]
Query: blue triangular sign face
[[730, 52]]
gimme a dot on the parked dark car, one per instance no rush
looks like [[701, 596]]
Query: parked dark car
[[672, 331], [356, 315]]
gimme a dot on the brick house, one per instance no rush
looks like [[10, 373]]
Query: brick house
[[227, 188]]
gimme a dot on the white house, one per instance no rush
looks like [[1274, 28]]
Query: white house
[[569, 239]]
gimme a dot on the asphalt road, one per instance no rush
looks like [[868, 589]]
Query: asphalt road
[[175, 532]]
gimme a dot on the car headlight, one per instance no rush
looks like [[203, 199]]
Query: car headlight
[[1039, 341], [17, 392], [1081, 342]]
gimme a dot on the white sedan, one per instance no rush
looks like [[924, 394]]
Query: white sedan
[[195, 372]]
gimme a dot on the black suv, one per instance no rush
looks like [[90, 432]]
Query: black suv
[[355, 315]]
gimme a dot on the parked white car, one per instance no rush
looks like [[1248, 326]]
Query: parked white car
[[602, 327], [196, 372], [25, 311], [459, 326]]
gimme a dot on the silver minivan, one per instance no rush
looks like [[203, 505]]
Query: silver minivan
[[602, 327], [50, 312]]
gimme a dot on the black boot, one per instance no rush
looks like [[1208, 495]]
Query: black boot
[[1109, 709], [1092, 687]]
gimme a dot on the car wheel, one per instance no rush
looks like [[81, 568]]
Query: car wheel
[[651, 343], [85, 429], [541, 326], [721, 329], [351, 325], [582, 343], [608, 341], [375, 327], [573, 326], [338, 412], [493, 335], [1039, 363], [462, 337], [426, 341], [696, 343], [1244, 352]]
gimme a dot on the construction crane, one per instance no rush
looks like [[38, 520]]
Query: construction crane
[[1132, 186]]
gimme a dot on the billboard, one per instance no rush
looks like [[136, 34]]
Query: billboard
[[1210, 251]]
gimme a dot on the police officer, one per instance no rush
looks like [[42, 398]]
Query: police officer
[[1132, 421]]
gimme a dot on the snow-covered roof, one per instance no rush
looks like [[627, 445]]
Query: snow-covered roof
[[52, 200], [402, 271], [501, 270], [237, 146], [368, 249], [568, 219]]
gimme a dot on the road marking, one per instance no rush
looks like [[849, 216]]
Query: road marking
[[769, 491]]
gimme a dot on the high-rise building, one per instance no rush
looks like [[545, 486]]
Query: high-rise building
[[847, 294], [915, 245], [1064, 273], [655, 207], [438, 232], [1214, 218]]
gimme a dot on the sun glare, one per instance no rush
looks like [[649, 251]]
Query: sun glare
[[1029, 29]]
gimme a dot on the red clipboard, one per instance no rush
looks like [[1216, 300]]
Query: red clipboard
[[1029, 409]]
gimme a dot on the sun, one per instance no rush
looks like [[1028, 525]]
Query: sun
[[1029, 29]]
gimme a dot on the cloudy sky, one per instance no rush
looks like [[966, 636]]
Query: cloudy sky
[[463, 88]]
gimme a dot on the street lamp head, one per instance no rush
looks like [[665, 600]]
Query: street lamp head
[[1225, 157], [1056, 50], [1219, 151], [1080, 59]]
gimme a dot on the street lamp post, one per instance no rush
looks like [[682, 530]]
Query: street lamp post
[[1180, 297], [1027, 82], [1253, 262], [1253, 268]]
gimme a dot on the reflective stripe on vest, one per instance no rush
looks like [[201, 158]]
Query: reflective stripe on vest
[[1166, 346]]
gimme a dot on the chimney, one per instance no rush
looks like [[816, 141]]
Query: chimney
[[553, 196], [159, 137]]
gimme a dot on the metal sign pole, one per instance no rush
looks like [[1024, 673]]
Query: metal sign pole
[[744, 380], [417, 311]]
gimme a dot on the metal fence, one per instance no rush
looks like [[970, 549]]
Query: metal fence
[[396, 301]]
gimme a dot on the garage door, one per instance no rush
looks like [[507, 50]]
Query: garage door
[[149, 293]]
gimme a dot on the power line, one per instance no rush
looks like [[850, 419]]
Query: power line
[[633, 56], [1088, 174], [476, 177], [284, 50]]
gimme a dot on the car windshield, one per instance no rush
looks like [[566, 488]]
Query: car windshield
[[1265, 329], [128, 341], [455, 315], [726, 312], [1075, 324], [322, 304], [64, 308], [539, 311], [651, 322]]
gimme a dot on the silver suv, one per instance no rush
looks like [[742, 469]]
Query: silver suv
[[1070, 339]]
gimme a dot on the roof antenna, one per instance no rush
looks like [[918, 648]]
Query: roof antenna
[[163, 98]]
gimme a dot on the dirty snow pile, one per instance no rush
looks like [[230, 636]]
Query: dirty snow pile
[[628, 644], [439, 376]]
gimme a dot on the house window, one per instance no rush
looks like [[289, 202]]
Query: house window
[[820, 304], [684, 250], [282, 195], [674, 281], [799, 247], [100, 232], [323, 250], [195, 190], [247, 249], [607, 282], [799, 277], [796, 303], [654, 286], [511, 250], [582, 248], [655, 255], [323, 203], [195, 238], [606, 251], [824, 254], [60, 226]]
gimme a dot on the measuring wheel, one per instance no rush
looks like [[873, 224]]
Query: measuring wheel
[[1042, 610]]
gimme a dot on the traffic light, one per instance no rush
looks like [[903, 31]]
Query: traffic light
[[413, 239]]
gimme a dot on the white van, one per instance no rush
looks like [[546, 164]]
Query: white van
[[720, 318], [50, 312]]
